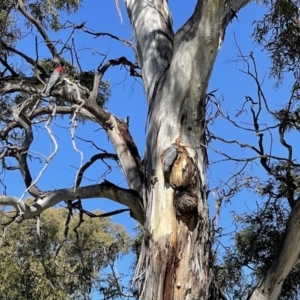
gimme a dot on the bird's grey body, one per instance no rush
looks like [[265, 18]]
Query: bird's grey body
[[54, 79]]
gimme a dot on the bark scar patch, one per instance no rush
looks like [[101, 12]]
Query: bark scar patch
[[179, 168], [170, 275]]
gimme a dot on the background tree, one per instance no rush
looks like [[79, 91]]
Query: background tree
[[66, 259], [167, 191]]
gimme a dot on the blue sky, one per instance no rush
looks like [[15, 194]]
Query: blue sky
[[128, 99]]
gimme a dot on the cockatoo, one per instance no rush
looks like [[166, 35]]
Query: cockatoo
[[54, 79]]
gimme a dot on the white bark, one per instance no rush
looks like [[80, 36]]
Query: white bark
[[151, 22], [129, 161], [175, 262], [104, 190], [287, 256]]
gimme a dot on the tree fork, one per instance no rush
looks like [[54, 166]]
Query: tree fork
[[176, 257]]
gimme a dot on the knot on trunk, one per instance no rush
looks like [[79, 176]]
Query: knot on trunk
[[179, 168], [185, 203]]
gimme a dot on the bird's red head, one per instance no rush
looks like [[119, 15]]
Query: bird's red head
[[59, 70]]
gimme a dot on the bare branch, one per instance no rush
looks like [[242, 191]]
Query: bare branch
[[90, 162], [23, 55], [92, 215], [41, 30], [101, 70], [126, 197], [63, 110], [8, 67], [127, 153], [48, 160], [98, 34], [21, 153], [288, 178]]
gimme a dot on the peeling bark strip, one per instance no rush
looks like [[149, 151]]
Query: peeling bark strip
[[170, 276]]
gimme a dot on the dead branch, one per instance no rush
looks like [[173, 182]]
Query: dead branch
[[93, 159], [99, 34], [92, 215], [102, 69], [20, 153]]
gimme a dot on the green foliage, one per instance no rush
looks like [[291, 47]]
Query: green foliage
[[255, 246], [136, 250], [48, 11], [68, 266], [137, 243], [87, 79], [279, 33], [9, 32]]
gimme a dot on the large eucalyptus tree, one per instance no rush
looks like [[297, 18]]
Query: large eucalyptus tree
[[167, 190]]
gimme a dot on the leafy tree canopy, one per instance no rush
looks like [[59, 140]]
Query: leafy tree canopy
[[70, 259]]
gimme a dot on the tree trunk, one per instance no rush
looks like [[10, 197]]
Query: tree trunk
[[176, 257]]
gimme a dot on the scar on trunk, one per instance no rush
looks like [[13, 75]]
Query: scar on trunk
[[181, 173], [172, 264], [179, 168]]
